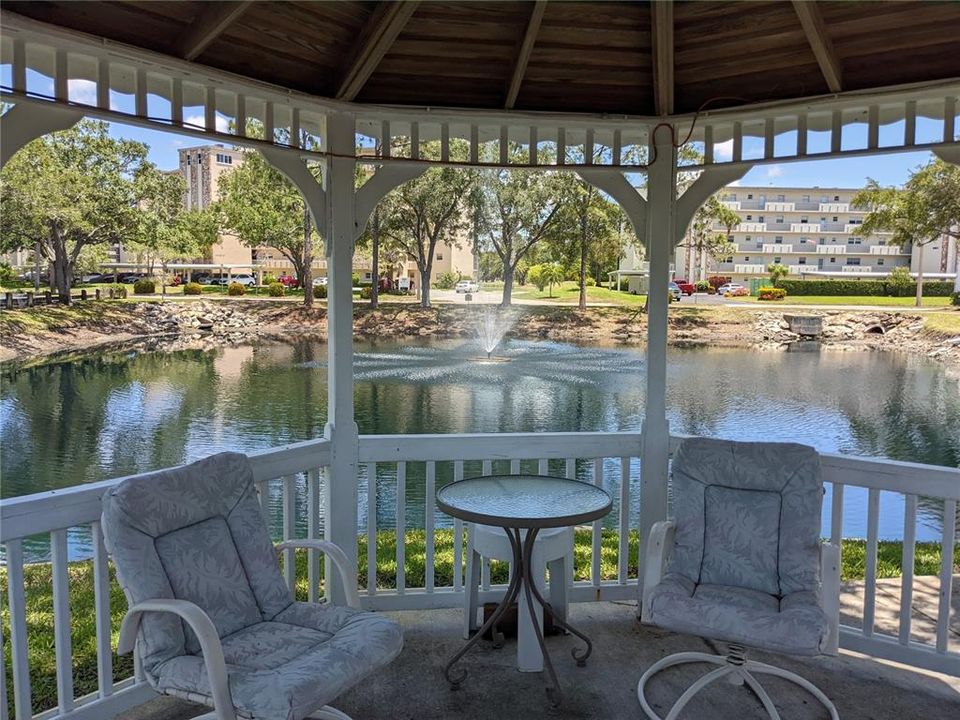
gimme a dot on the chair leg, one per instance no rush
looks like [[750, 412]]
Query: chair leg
[[471, 592], [737, 669], [328, 713]]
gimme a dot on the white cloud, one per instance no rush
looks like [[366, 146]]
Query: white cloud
[[82, 91], [774, 171], [221, 122], [723, 151]]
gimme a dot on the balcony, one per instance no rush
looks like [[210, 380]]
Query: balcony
[[834, 207], [749, 269], [751, 227], [807, 205], [804, 227], [887, 250], [780, 206], [854, 269], [853, 228], [831, 249], [777, 248], [292, 482], [730, 204], [799, 269]]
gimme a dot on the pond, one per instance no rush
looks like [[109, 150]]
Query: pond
[[117, 413]]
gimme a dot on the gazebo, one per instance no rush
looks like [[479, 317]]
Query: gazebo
[[608, 90]]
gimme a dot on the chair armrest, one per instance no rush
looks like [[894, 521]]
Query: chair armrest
[[830, 593], [339, 558], [206, 633], [656, 554]]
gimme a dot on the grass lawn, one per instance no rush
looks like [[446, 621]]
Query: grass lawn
[[40, 602], [568, 293], [943, 322], [905, 302]]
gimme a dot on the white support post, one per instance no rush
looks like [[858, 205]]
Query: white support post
[[27, 121], [660, 233], [341, 430]]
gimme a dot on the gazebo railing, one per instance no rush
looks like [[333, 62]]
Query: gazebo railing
[[401, 472]]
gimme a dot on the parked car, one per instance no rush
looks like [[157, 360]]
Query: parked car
[[686, 287], [130, 278], [287, 280], [730, 288], [675, 291], [319, 281], [245, 279], [207, 279], [467, 286]]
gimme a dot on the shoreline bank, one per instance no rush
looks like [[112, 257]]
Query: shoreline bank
[[42, 334]]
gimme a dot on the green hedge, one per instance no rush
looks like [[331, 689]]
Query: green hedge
[[875, 288]]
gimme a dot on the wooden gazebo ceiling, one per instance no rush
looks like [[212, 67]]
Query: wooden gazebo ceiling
[[640, 58]]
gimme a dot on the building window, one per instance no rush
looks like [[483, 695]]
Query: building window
[[224, 159], [778, 239], [188, 159], [780, 198], [806, 198], [439, 256], [855, 241], [835, 219], [836, 198], [729, 259], [760, 218], [853, 261], [804, 219], [881, 242], [802, 261], [776, 260], [880, 261], [855, 221], [779, 219], [748, 238], [749, 217], [833, 259], [746, 258], [750, 196]]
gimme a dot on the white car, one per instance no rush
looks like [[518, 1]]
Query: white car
[[318, 281], [729, 287], [467, 286], [244, 279]]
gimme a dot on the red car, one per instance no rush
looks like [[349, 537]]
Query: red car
[[686, 287], [287, 280]]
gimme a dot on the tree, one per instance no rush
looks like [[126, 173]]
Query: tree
[[703, 241], [777, 272], [520, 208], [899, 279], [70, 192], [551, 274], [262, 207], [924, 210], [424, 211]]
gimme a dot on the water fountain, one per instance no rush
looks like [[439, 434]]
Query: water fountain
[[492, 325]]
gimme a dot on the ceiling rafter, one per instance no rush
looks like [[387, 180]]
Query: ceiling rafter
[[661, 32], [820, 42], [523, 57], [385, 25], [207, 26]]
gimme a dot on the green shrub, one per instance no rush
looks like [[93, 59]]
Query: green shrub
[[446, 281], [955, 298], [355, 279], [320, 291], [7, 274], [871, 288], [670, 298], [236, 289], [717, 280], [899, 282], [119, 291], [276, 289], [590, 282], [702, 286], [624, 285], [771, 293], [269, 279], [144, 286], [192, 288], [366, 292]]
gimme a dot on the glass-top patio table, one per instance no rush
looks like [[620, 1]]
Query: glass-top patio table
[[523, 505]]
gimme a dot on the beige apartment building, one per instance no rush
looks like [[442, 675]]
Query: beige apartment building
[[202, 167], [812, 231]]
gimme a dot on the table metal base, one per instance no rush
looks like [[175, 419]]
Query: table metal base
[[522, 578]]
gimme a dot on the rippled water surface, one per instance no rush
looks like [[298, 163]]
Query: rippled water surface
[[118, 413]]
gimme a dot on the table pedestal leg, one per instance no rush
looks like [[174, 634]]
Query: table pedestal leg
[[523, 577], [455, 678]]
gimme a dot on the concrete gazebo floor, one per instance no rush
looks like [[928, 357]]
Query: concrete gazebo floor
[[413, 687]]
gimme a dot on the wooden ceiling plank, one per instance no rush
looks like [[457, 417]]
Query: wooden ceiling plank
[[387, 22], [661, 22], [820, 43], [208, 25], [523, 57]]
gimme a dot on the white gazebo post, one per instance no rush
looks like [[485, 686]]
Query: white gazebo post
[[659, 235]]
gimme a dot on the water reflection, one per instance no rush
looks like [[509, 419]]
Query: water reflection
[[119, 413]]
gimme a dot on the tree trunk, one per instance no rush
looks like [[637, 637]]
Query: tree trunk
[[375, 265], [507, 285], [425, 285], [956, 262], [307, 259], [583, 257], [920, 275], [61, 271]]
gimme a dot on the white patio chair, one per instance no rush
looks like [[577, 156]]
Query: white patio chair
[[745, 564], [210, 615], [553, 550]]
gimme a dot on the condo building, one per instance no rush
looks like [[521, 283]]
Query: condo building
[[812, 231]]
